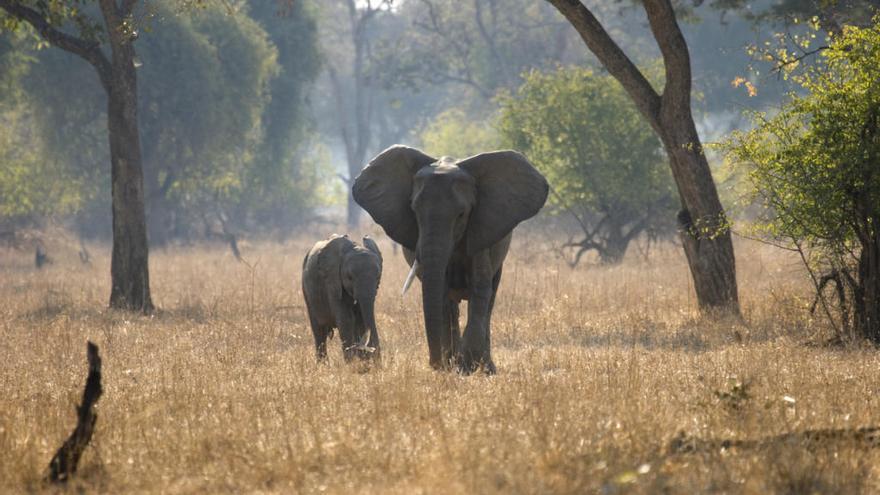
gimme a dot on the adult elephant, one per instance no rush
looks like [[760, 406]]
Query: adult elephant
[[454, 220]]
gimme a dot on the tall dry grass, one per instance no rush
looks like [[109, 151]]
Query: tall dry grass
[[599, 369]]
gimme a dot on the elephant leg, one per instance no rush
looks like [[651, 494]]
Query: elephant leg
[[321, 333], [359, 329], [475, 341], [346, 322], [452, 338], [488, 363]]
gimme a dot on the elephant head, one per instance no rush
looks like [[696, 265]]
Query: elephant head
[[435, 208], [360, 271], [479, 199]]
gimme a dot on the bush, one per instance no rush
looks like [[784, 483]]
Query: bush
[[815, 167], [604, 162]]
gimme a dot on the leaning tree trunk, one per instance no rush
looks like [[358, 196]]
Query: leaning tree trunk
[[706, 235], [129, 263], [704, 231]]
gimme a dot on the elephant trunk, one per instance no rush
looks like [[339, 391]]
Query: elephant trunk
[[434, 262], [366, 306]]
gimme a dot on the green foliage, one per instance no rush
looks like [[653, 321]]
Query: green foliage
[[221, 109], [25, 191], [601, 158], [452, 133], [808, 160], [205, 78], [830, 13], [815, 165], [284, 175]]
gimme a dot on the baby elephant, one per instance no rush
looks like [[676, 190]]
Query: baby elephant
[[340, 280]]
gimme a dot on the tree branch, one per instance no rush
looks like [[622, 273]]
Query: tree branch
[[88, 50], [612, 57], [804, 54], [112, 19], [676, 58], [127, 7], [489, 39]]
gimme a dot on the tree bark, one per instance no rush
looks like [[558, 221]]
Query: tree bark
[[129, 263], [129, 266], [866, 289], [705, 233]]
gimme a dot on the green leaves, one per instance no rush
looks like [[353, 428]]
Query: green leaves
[[453, 133], [29, 184], [815, 166], [584, 133], [810, 163], [602, 159], [222, 110]]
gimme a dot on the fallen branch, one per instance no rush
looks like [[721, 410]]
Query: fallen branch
[[869, 436], [64, 463]]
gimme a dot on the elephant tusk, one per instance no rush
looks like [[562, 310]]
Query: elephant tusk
[[361, 344], [410, 277]]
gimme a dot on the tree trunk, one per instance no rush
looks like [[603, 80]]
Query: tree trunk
[[159, 212], [129, 263], [613, 248], [353, 211], [866, 296], [706, 235], [128, 267]]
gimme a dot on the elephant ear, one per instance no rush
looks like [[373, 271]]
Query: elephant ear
[[370, 244], [509, 190], [330, 263], [384, 187]]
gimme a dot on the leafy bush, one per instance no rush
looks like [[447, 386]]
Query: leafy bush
[[815, 167], [602, 159]]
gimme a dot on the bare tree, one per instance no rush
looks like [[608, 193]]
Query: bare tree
[[705, 232], [129, 267], [354, 95]]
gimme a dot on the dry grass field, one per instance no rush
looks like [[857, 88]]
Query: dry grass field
[[602, 372]]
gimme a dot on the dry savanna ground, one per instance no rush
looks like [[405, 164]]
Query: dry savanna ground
[[608, 382]]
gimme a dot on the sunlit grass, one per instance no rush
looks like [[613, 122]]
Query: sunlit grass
[[598, 370]]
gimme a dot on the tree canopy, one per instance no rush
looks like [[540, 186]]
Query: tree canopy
[[815, 167], [603, 160], [222, 114]]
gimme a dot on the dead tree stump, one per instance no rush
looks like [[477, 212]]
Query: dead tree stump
[[41, 258], [64, 463]]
